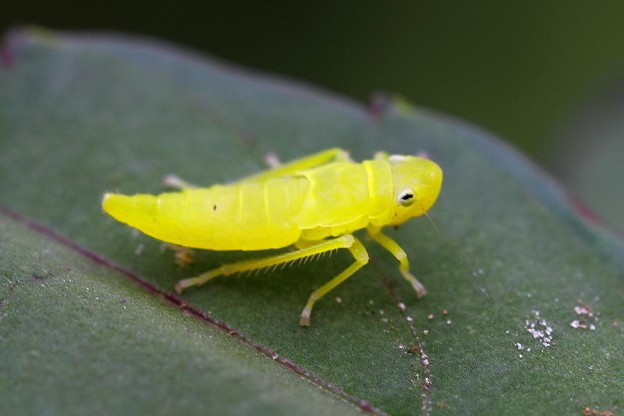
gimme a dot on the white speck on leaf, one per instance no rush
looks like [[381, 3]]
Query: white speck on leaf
[[139, 249], [539, 329]]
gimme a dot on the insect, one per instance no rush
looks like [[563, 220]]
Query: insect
[[314, 204]]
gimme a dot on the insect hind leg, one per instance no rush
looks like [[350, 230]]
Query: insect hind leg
[[305, 251], [360, 254]]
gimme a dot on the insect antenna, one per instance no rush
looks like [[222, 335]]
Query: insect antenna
[[451, 244], [435, 227]]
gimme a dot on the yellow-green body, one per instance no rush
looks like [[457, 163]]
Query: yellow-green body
[[303, 203]]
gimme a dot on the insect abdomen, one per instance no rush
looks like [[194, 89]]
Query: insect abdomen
[[243, 216]]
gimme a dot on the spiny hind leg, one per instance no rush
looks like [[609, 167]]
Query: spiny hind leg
[[317, 159], [361, 258], [345, 241], [396, 250]]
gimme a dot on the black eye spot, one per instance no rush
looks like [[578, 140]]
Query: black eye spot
[[406, 198]]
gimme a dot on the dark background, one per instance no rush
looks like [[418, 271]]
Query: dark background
[[527, 71]]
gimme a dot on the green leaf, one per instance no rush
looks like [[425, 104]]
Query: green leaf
[[81, 115], [589, 153], [79, 337]]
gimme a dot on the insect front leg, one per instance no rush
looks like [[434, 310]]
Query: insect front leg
[[396, 250], [345, 241]]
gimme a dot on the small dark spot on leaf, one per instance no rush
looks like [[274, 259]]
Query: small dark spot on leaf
[[379, 105], [595, 412], [37, 276], [214, 207], [366, 406]]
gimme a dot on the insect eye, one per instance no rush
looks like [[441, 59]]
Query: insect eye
[[406, 198]]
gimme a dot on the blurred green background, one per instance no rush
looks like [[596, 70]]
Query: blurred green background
[[546, 76]]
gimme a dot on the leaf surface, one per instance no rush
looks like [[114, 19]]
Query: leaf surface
[[85, 114]]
